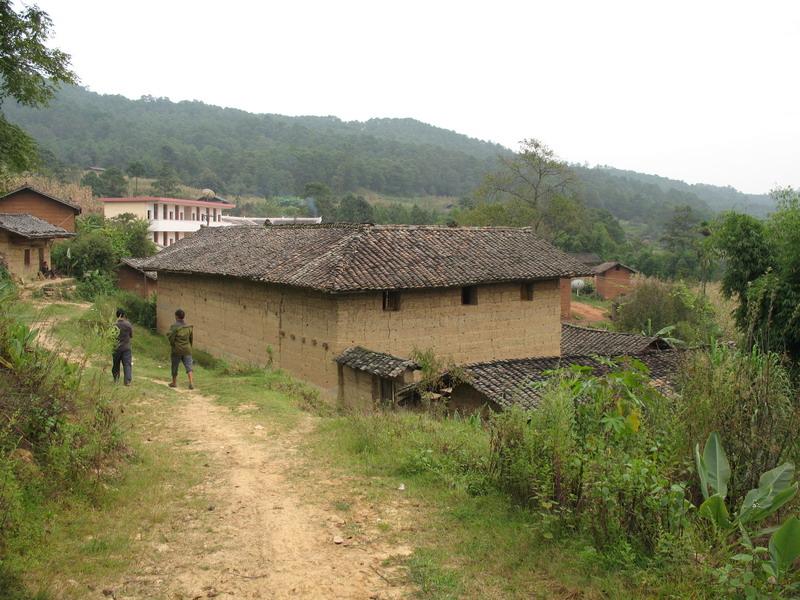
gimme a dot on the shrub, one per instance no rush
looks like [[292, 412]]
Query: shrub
[[749, 398], [94, 284], [654, 305], [139, 310]]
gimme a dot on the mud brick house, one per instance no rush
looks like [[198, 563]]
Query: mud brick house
[[301, 295], [25, 243], [28, 200], [612, 279], [500, 384], [133, 278]]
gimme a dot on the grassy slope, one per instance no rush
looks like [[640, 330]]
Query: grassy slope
[[470, 542]]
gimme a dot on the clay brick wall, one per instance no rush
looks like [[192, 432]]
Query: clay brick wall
[[565, 289], [12, 253], [31, 203], [500, 325], [134, 281], [613, 283], [238, 320], [356, 390]]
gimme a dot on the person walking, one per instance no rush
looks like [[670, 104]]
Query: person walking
[[180, 341], [122, 354]]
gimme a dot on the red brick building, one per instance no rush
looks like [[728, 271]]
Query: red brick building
[[27, 200]]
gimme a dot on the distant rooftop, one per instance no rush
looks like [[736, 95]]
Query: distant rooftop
[[215, 201]]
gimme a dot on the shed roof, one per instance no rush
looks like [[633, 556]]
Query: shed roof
[[582, 341], [607, 266], [512, 382], [30, 188], [136, 263], [377, 363], [31, 227], [360, 257]]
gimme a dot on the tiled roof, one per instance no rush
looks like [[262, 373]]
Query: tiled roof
[[67, 203], [31, 227], [377, 363], [360, 257], [583, 341], [587, 258], [136, 263], [513, 382], [603, 267]]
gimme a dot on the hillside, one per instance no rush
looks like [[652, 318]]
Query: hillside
[[241, 153]]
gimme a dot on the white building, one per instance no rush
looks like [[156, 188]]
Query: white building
[[170, 219]]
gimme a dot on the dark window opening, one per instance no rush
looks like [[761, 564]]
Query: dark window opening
[[155, 211], [148, 215], [155, 237], [391, 300], [27, 258], [527, 291], [165, 211], [387, 391], [616, 268], [469, 295]]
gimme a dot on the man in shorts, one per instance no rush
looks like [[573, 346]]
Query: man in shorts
[[180, 341]]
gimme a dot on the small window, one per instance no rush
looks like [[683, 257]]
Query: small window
[[164, 207], [171, 218], [391, 300], [155, 211], [469, 295], [27, 258], [155, 237], [148, 214], [526, 292]]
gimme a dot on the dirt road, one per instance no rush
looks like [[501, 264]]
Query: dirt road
[[265, 532], [587, 312]]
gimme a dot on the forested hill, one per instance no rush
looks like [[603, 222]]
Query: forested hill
[[234, 151]]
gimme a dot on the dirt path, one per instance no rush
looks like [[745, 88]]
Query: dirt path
[[268, 537], [587, 312]]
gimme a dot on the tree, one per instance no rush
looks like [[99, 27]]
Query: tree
[[354, 209], [29, 73], [167, 182], [761, 272], [110, 183], [534, 177], [136, 169], [681, 240]]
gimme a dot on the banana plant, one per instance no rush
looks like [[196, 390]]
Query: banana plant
[[775, 488]]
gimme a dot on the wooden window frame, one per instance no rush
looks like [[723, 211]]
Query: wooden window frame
[[469, 295], [391, 300], [527, 292]]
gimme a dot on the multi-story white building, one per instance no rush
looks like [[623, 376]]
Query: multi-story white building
[[170, 219]]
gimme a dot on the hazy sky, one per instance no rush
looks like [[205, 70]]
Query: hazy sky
[[701, 91]]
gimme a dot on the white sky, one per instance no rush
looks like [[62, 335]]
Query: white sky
[[702, 91]]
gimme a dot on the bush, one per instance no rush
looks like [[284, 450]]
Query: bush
[[94, 284], [654, 305], [139, 310], [749, 398]]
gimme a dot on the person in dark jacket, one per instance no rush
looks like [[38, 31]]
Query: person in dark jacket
[[122, 353], [180, 341]]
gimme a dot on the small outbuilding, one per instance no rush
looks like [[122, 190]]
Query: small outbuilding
[[27, 200], [25, 243], [133, 278], [369, 379], [612, 279]]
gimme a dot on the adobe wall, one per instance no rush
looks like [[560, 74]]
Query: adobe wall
[[239, 320], [613, 283], [12, 252], [565, 289], [500, 325], [356, 390], [134, 281], [31, 203]]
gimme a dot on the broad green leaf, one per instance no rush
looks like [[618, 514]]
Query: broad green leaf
[[714, 510], [715, 465], [701, 471], [784, 545], [772, 493]]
